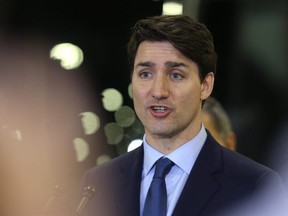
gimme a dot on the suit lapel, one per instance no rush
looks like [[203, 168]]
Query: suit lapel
[[131, 171], [200, 186]]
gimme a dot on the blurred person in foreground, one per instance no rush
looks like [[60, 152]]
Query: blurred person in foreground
[[217, 121], [173, 63]]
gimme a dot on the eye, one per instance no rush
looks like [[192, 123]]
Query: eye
[[145, 74], [176, 76]]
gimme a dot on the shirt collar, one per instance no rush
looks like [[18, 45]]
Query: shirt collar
[[184, 156]]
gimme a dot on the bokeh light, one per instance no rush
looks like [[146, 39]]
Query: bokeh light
[[70, 55]]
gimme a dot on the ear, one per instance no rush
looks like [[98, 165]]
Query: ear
[[207, 86]]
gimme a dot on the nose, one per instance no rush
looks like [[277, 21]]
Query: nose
[[160, 88]]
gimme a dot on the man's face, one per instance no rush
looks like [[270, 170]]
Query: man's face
[[167, 91]]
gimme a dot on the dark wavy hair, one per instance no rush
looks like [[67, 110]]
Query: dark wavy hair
[[188, 36]]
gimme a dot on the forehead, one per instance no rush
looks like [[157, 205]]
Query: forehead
[[159, 52], [155, 44]]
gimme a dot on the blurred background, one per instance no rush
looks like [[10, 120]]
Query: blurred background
[[65, 101]]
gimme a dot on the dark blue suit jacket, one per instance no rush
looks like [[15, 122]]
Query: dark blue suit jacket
[[222, 182]]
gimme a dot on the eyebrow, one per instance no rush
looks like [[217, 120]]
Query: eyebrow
[[175, 64], [145, 64], [170, 64]]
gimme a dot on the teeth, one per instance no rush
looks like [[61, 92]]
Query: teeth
[[159, 108]]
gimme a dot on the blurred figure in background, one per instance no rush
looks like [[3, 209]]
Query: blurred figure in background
[[217, 121]]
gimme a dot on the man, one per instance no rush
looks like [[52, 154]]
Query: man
[[217, 121], [173, 64]]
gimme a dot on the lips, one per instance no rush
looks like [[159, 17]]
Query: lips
[[159, 111]]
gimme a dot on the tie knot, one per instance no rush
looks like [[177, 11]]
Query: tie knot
[[163, 166]]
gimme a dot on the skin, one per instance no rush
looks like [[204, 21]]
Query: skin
[[167, 95]]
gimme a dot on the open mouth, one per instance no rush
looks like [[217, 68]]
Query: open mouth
[[159, 108]]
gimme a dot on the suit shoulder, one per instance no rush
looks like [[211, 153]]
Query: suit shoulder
[[118, 163], [247, 169]]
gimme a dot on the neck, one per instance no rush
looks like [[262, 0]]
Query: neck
[[168, 144]]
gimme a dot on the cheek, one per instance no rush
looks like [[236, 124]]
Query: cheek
[[139, 90], [191, 100], [192, 94], [137, 96]]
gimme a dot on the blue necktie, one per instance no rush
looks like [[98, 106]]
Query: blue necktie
[[156, 200]]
